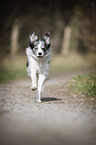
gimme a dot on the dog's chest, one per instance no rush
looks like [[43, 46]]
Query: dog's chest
[[40, 66]]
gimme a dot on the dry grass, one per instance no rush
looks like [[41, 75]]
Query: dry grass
[[74, 61]]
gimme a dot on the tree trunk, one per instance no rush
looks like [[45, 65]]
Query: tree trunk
[[66, 40], [14, 39]]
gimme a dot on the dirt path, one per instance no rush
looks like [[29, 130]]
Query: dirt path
[[59, 120]]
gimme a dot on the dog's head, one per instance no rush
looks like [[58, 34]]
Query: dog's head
[[40, 47]]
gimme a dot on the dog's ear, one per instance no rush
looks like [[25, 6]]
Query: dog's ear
[[32, 39], [46, 38], [47, 34]]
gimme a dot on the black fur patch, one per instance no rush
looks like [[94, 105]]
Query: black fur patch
[[47, 46], [31, 45], [27, 64], [47, 34]]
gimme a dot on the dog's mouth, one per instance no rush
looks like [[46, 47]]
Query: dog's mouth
[[39, 57]]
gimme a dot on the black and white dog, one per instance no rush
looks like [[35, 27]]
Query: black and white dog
[[39, 56]]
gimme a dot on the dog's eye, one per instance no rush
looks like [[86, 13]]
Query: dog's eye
[[36, 48], [43, 49]]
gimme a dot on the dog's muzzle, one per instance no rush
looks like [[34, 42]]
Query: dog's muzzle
[[39, 56]]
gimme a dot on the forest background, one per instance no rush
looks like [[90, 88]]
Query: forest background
[[72, 24]]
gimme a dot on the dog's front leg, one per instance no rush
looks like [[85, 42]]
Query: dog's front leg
[[41, 80], [34, 80]]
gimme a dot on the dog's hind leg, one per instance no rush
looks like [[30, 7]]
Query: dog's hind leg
[[41, 81]]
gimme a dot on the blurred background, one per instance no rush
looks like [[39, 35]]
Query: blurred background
[[72, 24]]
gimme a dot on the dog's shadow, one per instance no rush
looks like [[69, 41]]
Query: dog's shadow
[[46, 99]]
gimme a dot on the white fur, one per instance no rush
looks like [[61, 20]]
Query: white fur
[[38, 70]]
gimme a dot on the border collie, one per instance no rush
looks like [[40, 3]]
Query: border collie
[[39, 57]]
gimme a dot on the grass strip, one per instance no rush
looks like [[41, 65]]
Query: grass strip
[[85, 84]]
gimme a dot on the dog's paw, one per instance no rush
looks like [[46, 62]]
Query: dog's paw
[[38, 101], [33, 88]]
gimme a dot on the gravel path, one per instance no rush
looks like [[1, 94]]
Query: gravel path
[[59, 120]]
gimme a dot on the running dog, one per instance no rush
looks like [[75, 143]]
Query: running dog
[[39, 57]]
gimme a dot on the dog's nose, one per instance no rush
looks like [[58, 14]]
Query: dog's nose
[[40, 53]]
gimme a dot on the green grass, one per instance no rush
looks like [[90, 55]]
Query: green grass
[[85, 84], [12, 74], [13, 69]]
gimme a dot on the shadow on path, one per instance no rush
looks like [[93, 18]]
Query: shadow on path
[[46, 99]]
